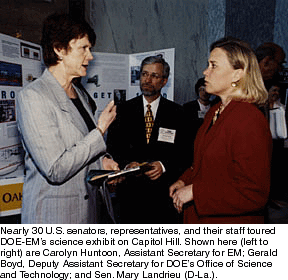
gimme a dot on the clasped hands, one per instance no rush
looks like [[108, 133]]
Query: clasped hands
[[180, 194]]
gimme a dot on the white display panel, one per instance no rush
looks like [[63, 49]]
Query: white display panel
[[20, 63]]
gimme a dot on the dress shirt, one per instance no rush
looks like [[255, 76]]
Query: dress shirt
[[203, 108], [277, 121], [154, 106]]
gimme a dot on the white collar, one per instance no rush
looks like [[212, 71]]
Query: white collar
[[203, 107], [154, 105], [278, 104]]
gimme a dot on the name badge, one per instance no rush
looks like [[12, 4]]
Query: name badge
[[166, 135]]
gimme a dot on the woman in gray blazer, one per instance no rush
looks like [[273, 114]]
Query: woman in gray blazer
[[60, 136]]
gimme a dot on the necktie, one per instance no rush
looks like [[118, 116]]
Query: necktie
[[149, 122]]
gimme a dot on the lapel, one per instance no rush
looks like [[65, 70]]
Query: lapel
[[196, 106], [159, 114], [135, 112], [84, 101], [58, 94], [207, 135]]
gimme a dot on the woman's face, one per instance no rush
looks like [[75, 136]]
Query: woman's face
[[220, 74], [77, 57]]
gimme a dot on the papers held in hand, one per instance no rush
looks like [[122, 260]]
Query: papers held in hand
[[97, 176]]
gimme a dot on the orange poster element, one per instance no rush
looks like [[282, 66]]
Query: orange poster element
[[11, 196]]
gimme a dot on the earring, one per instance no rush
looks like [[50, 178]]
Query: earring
[[233, 84], [60, 58]]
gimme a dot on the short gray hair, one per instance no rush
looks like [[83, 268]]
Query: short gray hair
[[157, 59]]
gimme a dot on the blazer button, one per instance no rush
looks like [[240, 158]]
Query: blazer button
[[86, 196]]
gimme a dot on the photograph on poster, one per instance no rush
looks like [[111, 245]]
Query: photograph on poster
[[7, 111], [30, 51], [135, 75], [119, 96], [10, 74], [10, 158]]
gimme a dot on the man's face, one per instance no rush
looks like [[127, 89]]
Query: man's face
[[270, 66], [151, 80], [203, 95], [274, 93]]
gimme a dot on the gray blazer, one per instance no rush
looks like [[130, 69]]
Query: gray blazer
[[59, 152]]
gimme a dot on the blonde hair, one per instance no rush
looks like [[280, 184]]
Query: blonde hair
[[250, 87]]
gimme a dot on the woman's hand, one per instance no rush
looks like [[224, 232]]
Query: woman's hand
[[181, 194], [107, 117], [110, 164], [177, 185]]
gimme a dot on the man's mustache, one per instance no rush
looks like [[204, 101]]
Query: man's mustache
[[147, 84]]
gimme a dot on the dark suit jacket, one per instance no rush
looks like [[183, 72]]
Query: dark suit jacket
[[231, 170], [193, 123], [126, 142], [191, 108]]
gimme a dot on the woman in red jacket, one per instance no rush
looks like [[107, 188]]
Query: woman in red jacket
[[230, 178]]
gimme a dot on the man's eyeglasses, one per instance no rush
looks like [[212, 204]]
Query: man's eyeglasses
[[152, 75]]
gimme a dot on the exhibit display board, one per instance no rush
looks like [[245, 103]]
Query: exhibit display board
[[20, 63], [110, 74]]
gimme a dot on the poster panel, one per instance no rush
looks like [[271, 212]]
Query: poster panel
[[20, 63], [107, 73]]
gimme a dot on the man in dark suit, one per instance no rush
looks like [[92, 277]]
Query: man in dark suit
[[195, 112], [145, 199]]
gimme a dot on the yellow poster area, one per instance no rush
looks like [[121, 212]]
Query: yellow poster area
[[11, 196]]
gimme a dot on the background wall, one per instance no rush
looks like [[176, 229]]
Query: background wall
[[189, 26], [131, 26], [24, 18], [250, 20], [281, 25]]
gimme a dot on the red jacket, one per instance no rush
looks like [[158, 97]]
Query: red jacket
[[231, 170]]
